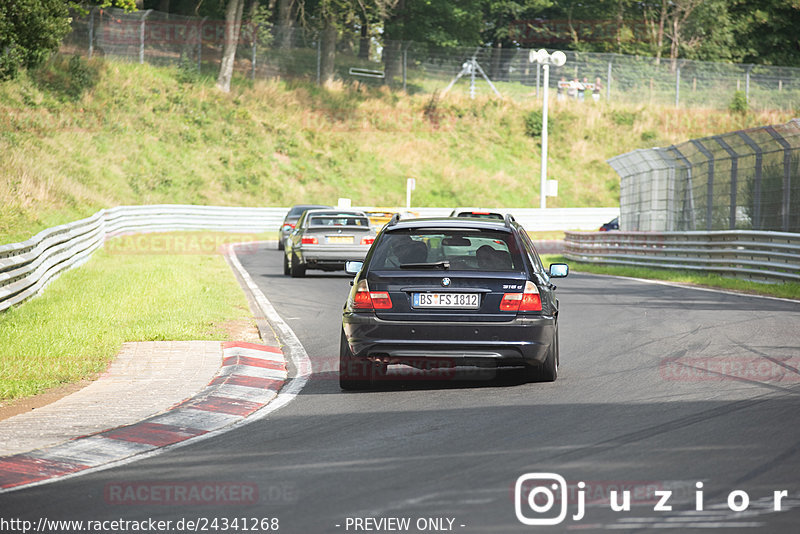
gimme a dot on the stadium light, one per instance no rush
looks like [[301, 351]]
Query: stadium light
[[558, 59]]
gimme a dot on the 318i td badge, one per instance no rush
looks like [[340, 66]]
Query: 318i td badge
[[450, 292]]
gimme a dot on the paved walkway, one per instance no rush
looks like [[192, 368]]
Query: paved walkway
[[144, 379], [156, 395]]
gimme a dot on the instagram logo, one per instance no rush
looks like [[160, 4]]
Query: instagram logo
[[535, 496]]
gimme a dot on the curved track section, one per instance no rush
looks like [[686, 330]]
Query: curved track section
[[664, 392]]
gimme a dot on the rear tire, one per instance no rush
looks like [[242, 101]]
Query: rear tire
[[354, 374], [298, 270], [286, 269], [357, 373], [548, 370], [280, 243]]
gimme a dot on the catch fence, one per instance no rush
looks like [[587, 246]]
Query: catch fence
[[266, 52], [743, 180]]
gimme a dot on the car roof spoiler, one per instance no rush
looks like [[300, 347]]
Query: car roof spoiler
[[508, 219]]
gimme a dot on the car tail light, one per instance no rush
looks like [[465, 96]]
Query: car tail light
[[529, 300], [367, 240], [365, 299], [287, 226], [310, 241]]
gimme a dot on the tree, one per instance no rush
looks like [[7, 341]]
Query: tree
[[766, 31], [498, 16], [287, 13], [433, 24], [30, 30], [233, 24], [127, 5]]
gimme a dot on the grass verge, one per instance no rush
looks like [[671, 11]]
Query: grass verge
[[124, 293], [789, 290]]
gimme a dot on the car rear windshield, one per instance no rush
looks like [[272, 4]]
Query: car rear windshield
[[343, 219], [463, 250], [480, 215]]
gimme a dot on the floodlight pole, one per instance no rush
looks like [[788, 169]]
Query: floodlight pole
[[545, 60], [543, 199]]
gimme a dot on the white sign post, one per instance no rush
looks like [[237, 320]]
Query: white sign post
[[411, 184]]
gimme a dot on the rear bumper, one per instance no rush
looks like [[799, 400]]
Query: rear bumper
[[330, 254], [522, 341]]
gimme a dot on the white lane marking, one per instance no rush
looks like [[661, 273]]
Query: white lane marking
[[300, 360], [690, 286]]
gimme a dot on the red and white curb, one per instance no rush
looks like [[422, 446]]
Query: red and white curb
[[250, 377], [251, 384]]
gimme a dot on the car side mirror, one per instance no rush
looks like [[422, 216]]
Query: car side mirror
[[353, 267], [559, 270]]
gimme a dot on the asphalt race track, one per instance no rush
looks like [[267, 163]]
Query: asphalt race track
[[660, 388]]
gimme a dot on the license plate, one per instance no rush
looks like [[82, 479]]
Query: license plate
[[465, 301], [339, 239]]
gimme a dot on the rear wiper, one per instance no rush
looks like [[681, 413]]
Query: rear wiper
[[435, 265]]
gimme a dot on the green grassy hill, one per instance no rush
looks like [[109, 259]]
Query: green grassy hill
[[76, 137]]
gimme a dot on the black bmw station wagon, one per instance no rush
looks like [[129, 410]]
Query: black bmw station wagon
[[450, 292]]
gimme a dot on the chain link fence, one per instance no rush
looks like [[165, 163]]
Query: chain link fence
[[744, 180], [270, 52]]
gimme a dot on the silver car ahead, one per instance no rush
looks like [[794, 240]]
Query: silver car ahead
[[326, 239], [290, 221]]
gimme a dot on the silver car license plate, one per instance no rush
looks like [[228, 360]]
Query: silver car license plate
[[464, 301]]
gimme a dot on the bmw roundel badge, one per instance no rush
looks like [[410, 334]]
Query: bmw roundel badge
[[445, 282]]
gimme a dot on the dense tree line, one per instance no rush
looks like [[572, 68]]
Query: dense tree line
[[743, 31]]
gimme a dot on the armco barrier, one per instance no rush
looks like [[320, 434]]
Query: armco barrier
[[761, 256], [27, 267]]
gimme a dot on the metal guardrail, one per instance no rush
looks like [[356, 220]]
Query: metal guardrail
[[760, 256], [26, 268]]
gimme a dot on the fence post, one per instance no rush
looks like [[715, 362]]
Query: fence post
[[747, 84], [755, 220], [141, 36], [200, 43], [405, 66], [709, 183], [608, 83], [91, 33], [319, 58], [677, 86], [734, 178], [787, 176], [254, 29]]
